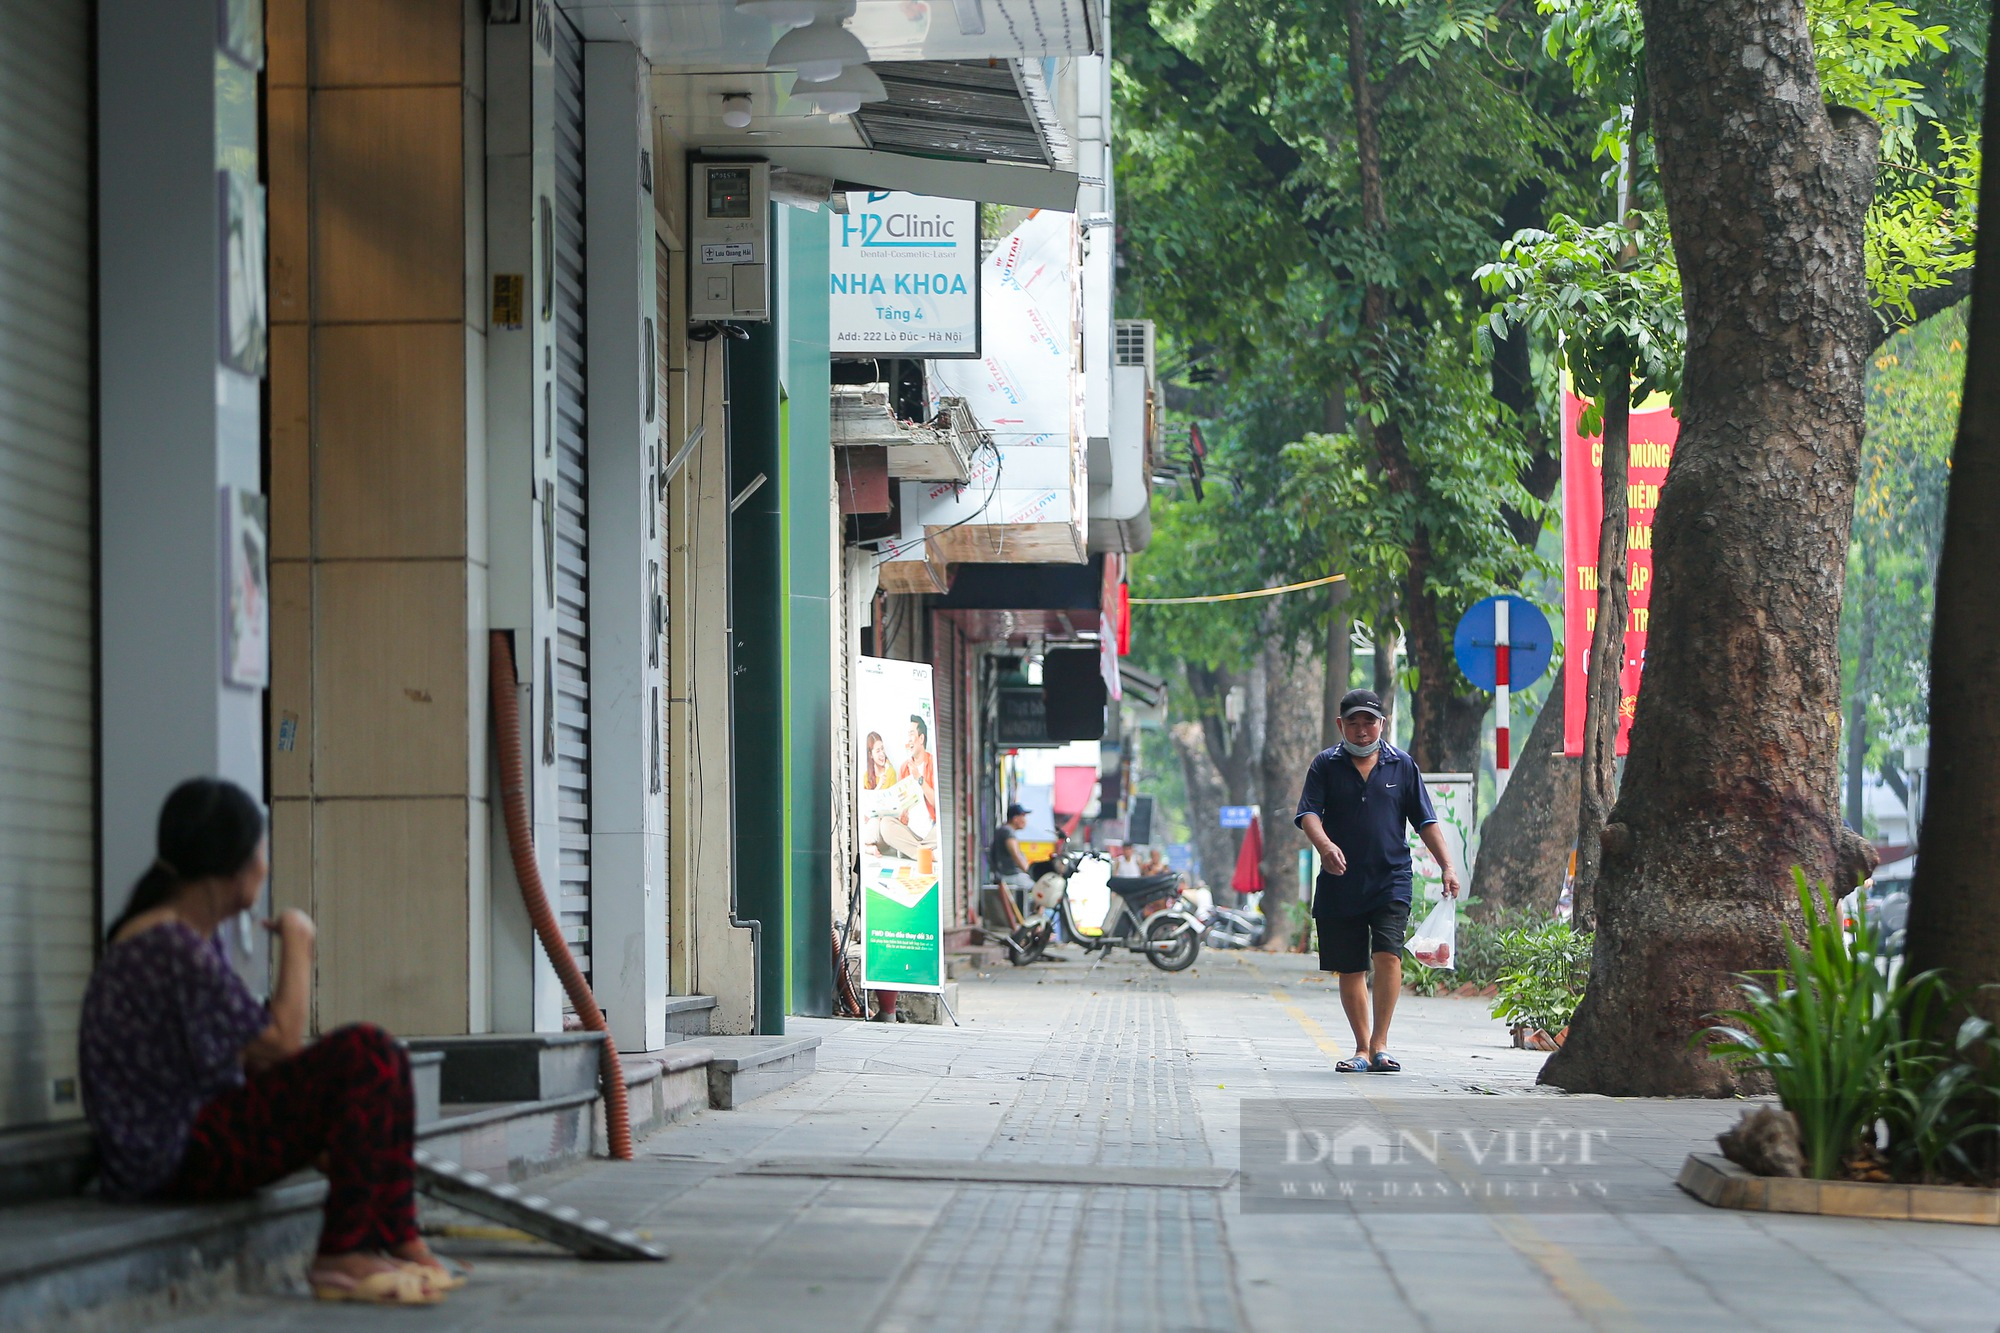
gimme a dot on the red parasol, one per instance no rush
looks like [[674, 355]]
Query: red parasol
[[1249, 876]]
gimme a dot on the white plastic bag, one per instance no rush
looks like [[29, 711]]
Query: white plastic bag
[[1435, 944]]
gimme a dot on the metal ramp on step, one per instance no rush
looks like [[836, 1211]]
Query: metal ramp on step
[[473, 1191]]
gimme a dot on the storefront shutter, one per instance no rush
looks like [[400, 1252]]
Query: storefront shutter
[[572, 513], [47, 882], [944, 687]]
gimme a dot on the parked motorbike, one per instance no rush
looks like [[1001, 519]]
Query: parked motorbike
[[1232, 928], [1145, 915]]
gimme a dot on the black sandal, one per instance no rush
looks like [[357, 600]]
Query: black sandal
[[1384, 1063]]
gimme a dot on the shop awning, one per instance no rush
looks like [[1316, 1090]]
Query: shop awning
[[970, 110]]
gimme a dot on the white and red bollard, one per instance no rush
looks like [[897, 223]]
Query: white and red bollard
[[1500, 719]]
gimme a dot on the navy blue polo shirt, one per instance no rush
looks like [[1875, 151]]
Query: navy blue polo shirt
[[1365, 820]]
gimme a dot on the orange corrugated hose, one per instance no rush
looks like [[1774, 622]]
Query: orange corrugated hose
[[521, 841]]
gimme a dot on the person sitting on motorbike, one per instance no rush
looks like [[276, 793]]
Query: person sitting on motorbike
[[1009, 866]]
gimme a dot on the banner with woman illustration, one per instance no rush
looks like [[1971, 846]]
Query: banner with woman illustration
[[901, 824]]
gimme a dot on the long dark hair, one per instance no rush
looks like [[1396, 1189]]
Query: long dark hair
[[875, 739], [208, 827]]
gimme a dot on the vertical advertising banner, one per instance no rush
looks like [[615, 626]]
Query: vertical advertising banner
[[905, 276], [902, 826], [1452, 796], [1654, 431]]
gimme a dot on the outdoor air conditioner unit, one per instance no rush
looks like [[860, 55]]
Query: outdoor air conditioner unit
[[729, 243], [1132, 343]]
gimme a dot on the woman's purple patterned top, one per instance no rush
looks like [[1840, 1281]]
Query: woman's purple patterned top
[[165, 1022]]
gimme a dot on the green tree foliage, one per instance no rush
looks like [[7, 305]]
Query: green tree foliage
[[1370, 439], [1466, 467], [1914, 388], [1914, 72], [1609, 296]]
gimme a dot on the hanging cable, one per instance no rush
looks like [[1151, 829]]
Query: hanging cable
[[1236, 596]]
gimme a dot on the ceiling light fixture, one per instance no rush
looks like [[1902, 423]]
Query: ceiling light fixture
[[736, 110], [818, 51], [843, 94]]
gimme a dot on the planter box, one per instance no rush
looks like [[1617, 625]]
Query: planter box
[[1537, 1040], [1720, 1183]]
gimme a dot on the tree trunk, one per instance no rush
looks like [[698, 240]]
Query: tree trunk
[[1339, 668], [1857, 706], [1231, 746], [1444, 724], [1955, 901], [1731, 779], [1205, 799], [1385, 673], [1231, 750], [1524, 844], [1291, 739], [1603, 691], [1514, 387]]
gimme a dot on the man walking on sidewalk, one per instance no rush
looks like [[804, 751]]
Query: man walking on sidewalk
[[1358, 797]]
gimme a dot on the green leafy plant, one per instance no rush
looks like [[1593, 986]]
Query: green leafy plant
[[1828, 1028], [1546, 967], [1943, 1108], [1939, 1109]]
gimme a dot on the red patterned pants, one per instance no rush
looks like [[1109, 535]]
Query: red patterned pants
[[346, 1096]]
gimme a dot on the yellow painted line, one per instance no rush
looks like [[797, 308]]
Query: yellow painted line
[[1592, 1299]]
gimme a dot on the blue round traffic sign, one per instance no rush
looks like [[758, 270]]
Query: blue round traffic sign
[[1529, 640]]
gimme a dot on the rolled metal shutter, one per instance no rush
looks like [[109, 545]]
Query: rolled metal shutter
[[572, 513], [664, 446], [944, 687], [48, 917]]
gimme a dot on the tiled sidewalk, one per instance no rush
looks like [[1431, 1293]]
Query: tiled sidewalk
[[1059, 1080]]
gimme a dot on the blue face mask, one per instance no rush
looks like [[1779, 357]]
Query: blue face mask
[[1362, 751]]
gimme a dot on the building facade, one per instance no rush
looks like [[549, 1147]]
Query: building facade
[[364, 357]]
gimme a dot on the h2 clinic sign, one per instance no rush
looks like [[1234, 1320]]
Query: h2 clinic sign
[[904, 274], [1653, 434]]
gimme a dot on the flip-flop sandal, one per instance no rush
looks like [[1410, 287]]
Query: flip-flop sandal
[[397, 1286], [1353, 1065], [437, 1277], [1385, 1063]]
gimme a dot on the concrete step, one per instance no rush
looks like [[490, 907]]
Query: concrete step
[[514, 1067], [667, 1085], [976, 957], [426, 1082], [46, 1162], [744, 1068], [82, 1263], [688, 1015], [958, 966], [72, 1260]]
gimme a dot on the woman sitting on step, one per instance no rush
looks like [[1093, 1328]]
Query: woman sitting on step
[[199, 1091]]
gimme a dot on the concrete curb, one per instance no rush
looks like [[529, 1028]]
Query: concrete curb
[[1721, 1183]]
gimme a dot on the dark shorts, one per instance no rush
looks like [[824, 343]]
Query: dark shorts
[[1345, 942]]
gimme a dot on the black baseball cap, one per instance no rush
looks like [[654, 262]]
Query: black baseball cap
[[1362, 701], [1013, 810]]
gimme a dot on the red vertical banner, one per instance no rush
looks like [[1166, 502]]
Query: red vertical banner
[[1654, 431]]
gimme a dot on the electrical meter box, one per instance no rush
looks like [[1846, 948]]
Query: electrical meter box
[[729, 242]]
